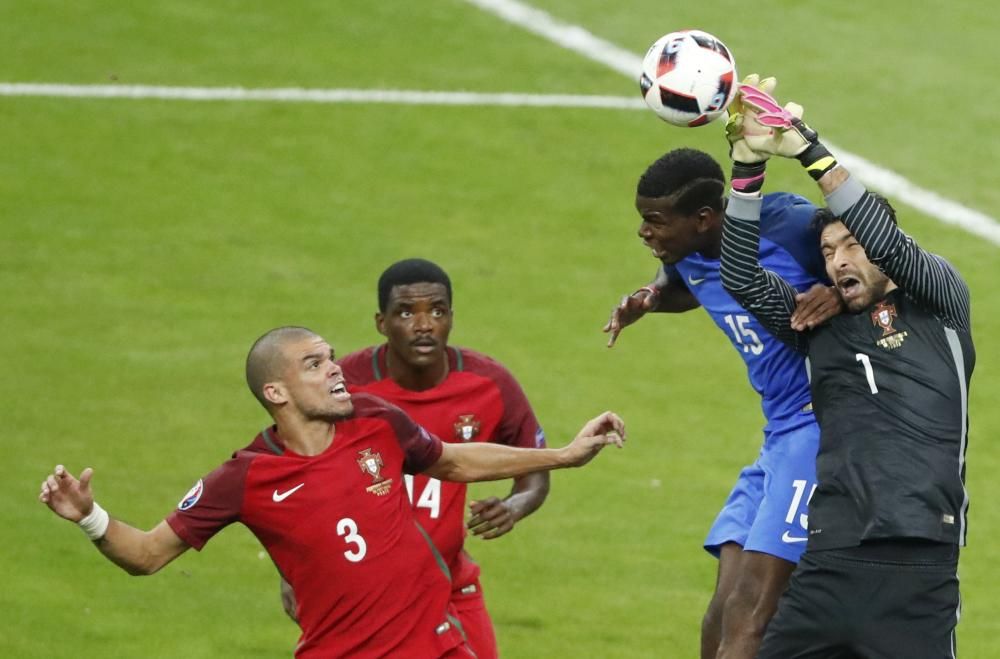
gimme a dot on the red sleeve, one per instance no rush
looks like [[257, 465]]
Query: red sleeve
[[518, 424], [212, 504], [421, 448]]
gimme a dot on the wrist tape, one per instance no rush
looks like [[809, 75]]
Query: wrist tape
[[95, 525], [817, 160], [747, 178]]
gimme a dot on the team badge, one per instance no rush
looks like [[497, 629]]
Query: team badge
[[466, 427], [192, 496], [883, 316], [371, 464]]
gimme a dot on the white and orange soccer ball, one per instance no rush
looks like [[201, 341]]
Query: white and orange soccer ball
[[688, 77]]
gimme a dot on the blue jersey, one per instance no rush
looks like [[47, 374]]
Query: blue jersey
[[789, 248]]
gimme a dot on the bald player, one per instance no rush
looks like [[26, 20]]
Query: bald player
[[323, 491]]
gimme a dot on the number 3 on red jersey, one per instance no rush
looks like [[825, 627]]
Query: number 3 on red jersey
[[347, 528]]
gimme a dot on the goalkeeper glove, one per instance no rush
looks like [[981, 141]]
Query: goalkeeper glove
[[786, 135], [748, 164]]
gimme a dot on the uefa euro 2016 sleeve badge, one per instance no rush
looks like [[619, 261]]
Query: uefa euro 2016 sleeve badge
[[371, 464], [466, 427], [192, 496]]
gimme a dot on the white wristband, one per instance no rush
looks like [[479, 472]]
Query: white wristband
[[95, 525]]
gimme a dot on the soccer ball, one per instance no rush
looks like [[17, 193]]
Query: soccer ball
[[688, 78]]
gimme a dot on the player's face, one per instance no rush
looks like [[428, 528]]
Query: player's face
[[416, 324], [859, 282], [312, 382], [670, 235]]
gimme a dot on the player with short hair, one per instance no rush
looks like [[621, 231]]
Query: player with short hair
[[890, 384], [460, 396], [761, 530], [322, 489]]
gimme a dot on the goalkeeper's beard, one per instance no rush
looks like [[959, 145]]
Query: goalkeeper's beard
[[866, 293]]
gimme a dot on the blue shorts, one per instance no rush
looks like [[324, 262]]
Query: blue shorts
[[767, 509]]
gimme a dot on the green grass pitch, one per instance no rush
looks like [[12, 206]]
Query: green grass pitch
[[146, 243]]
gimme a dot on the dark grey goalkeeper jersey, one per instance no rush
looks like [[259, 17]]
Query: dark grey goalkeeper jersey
[[889, 384]]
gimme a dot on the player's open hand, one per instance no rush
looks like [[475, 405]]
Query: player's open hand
[[608, 428], [630, 309], [816, 306], [491, 518], [68, 497], [782, 131], [743, 121]]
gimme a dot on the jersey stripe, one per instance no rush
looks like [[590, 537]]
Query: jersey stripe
[[376, 371], [434, 550], [459, 363], [956, 351], [271, 444]]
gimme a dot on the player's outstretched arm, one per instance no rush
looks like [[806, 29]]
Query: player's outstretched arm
[[493, 517], [484, 461], [926, 277], [630, 309], [658, 296], [763, 293], [137, 552]]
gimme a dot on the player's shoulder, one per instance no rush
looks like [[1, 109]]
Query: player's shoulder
[[787, 220], [266, 442], [368, 406], [785, 210], [478, 363], [360, 367]]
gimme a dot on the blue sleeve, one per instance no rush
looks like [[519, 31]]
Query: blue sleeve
[[786, 219]]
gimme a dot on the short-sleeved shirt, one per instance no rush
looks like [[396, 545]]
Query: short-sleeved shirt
[[340, 529], [479, 401], [788, 246]]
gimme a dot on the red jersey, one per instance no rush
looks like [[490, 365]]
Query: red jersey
[[479, 401], [341, 531]]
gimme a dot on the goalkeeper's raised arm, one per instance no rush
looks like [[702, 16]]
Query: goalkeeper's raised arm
[[868, 217], [768, 297]]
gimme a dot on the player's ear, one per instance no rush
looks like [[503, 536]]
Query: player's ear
[[274, 393], [706, 218], [380, 323]]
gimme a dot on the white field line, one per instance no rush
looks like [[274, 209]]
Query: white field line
[[297, 95], [892, 185]]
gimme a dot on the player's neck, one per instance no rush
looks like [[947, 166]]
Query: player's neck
[[417, 378], [712, 248], [306, 437]]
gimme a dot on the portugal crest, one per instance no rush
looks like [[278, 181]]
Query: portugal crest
[[371, 464], [883, 315], [467, 427]]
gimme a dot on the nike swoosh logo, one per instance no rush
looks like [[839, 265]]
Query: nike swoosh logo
[[281, 496], [785, 537], [693, 281]]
